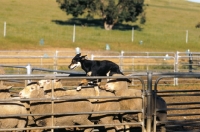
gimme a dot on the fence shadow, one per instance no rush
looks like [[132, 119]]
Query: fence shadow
[[95, 23]]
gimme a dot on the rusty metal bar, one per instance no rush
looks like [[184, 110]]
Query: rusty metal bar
[[66, 126], [73, 113], [69, 98], [52, 104], [149, 101]]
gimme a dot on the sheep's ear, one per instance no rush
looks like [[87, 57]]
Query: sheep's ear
[[57, 80], [83, 57], [32, 83], [3, 87], [9, 87]]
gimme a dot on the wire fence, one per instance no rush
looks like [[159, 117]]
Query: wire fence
[[16, 62]]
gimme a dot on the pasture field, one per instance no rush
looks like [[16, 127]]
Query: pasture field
[[33, 21]]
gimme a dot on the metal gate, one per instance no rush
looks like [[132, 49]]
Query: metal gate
[[182, 115]]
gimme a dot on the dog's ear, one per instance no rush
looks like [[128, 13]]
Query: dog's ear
[[78, 55], [83, 57]]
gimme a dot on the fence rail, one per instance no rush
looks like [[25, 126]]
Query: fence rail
[[129, 62]]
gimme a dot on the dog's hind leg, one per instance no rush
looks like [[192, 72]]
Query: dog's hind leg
[[96, 88], [97, 92], [108, 74]]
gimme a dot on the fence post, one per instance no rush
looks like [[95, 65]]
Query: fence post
[[74, 34], [92, 57], [52, 104], [186, 37], [4, 31], [190, 62], [55, 61], [176, 67], [28, 71], [149, 101], [121, 60], [132, 37]]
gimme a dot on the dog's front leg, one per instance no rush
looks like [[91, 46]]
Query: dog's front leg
[[83, 82], [78, 88]]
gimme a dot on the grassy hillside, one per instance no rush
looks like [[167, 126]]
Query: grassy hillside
[[29, 21]]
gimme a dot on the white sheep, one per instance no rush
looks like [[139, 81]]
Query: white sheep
[[120, 88], [107, 104], [62, 106], [101, 105], [47, 84], [11, 108]]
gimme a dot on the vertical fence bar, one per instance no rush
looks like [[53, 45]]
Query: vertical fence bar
[[132, 37], [56, 61], [52, 104], [149, 101], [147, 68], [92, 57], [176, 66], [78, 50], [121, 60], [29, 72], [190, 62]]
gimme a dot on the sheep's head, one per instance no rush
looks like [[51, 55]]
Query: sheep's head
[[116, 83], [4, 92], [32, 90], [42, 83], [111, 85], [47, 84]]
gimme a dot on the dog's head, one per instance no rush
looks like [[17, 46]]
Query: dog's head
[[76, 61]]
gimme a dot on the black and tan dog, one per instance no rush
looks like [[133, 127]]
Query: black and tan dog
[[94, 68]]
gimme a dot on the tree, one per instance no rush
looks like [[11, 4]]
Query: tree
[[111, 11]]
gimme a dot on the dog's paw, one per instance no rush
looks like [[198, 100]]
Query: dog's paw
[[78, 88]]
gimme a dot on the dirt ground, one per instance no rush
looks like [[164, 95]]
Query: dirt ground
[[183, 107]]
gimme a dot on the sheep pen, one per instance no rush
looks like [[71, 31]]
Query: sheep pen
[[100, 105], [184, 89]]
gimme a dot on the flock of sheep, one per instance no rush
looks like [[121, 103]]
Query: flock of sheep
[[73, 108]]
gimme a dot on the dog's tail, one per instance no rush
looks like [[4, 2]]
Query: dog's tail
[[126, 79], [121, 79]]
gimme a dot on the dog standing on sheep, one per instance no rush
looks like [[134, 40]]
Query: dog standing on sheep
[[94, 68]]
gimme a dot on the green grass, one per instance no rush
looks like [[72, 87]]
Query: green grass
[[28, 21]]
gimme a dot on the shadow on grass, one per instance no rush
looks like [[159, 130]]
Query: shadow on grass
[[95, 23]]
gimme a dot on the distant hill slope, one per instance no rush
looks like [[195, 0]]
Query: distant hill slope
[[40, 24]]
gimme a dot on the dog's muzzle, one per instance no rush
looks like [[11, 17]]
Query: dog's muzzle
[[72, 66], [69, 66]]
